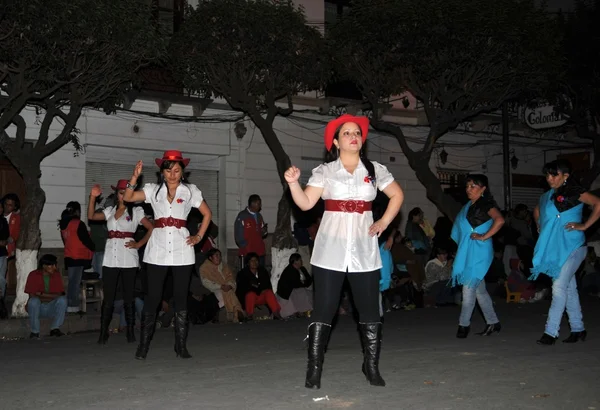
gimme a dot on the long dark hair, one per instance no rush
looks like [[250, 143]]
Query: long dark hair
[[69, 213], [168, 165], [128, 205], [334, 153], [571, 187]]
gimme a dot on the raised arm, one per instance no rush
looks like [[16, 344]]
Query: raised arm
[[92, 214], [131, 195], [305, 199]]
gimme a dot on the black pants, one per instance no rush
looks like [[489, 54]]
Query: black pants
[[110, 283], [156, 280], [328, 286]]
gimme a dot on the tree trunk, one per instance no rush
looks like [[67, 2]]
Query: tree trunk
[[444, 202], [419, 162], [29, 241]]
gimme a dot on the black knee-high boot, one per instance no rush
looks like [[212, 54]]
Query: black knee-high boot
[[130, 319], [181, 334], [371, 339], [148, 325], [105, 319], [318, 336]]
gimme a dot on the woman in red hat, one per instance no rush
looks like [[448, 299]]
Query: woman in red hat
[[170, 245], [346, 244], [121, 259]]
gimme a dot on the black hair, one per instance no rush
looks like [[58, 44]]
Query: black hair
[[520, 208], [294, 257], [168, 165], [250, 256], [414, 212], [212, 252], [479, 179], [69, 213], [12, 197], [252, 199], [47, 260], [334, 153], [128, 205], [438, 250], [554, 167], [405, 240]]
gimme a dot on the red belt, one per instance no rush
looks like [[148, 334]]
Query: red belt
[[119, 235], [349, 206], [170, 221]]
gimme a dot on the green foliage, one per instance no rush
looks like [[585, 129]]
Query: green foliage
[[252, 53], [72, 52], [459, 58]]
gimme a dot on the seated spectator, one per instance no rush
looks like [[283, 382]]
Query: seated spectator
[[293, 288], [254, 287], [437, 274], [517, 280], [46, 297], [218, 278], [203, 306], [407, 262]]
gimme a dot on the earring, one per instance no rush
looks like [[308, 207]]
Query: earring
[[565, 182]]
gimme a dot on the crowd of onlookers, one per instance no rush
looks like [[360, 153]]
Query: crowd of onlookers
[[421, 264]]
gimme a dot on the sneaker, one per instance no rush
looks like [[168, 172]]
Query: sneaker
[[34, 335], [56, 332]]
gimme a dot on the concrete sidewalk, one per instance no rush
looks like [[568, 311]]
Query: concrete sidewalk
[[261, 365]]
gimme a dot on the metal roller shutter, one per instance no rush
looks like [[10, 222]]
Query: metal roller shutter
[[108, 174], [526, 195]]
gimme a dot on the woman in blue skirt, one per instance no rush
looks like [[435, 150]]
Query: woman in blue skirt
[[476, 223]]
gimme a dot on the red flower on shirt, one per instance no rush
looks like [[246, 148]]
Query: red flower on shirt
[[128, 218], [368, 179], [560, 198], [179, 200]]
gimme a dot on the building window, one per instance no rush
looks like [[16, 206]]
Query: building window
[[334, 10], [168, 15]]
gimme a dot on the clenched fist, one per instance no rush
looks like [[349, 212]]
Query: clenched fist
[[292, 175]]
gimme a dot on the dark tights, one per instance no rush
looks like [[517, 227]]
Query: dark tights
[[156, 280], [110, 281], [328, 287]]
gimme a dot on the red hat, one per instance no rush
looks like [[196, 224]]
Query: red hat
[[172, 155], [333, 125], [122, 184]]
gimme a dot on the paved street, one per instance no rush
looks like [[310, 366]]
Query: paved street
[[261, 366]]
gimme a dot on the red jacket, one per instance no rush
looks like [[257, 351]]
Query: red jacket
[[248, 233], [14, 227], [74, 248], [35, 283]]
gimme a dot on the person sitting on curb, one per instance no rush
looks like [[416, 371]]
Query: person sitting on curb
[[46, 297], [254, 288]]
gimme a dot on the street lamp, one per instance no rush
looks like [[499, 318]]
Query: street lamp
[[443, 156]]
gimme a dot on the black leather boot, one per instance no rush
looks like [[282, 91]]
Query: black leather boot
[[148, 325], [371, 339], [463, 332], [105, 319], [574, 337], [318, 335], [489, 329], [181, 334], [130, 320]]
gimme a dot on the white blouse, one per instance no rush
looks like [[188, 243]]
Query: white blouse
[[343, 241], [167, 246], [116, 254]]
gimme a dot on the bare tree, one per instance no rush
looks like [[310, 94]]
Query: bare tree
[[62, 57], [254, 54], [459, 58]]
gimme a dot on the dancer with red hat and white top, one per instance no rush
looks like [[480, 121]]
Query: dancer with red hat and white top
[[121, 259], [346, 243], [170, 245]]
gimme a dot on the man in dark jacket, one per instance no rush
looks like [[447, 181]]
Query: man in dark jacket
[[254, 288]]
